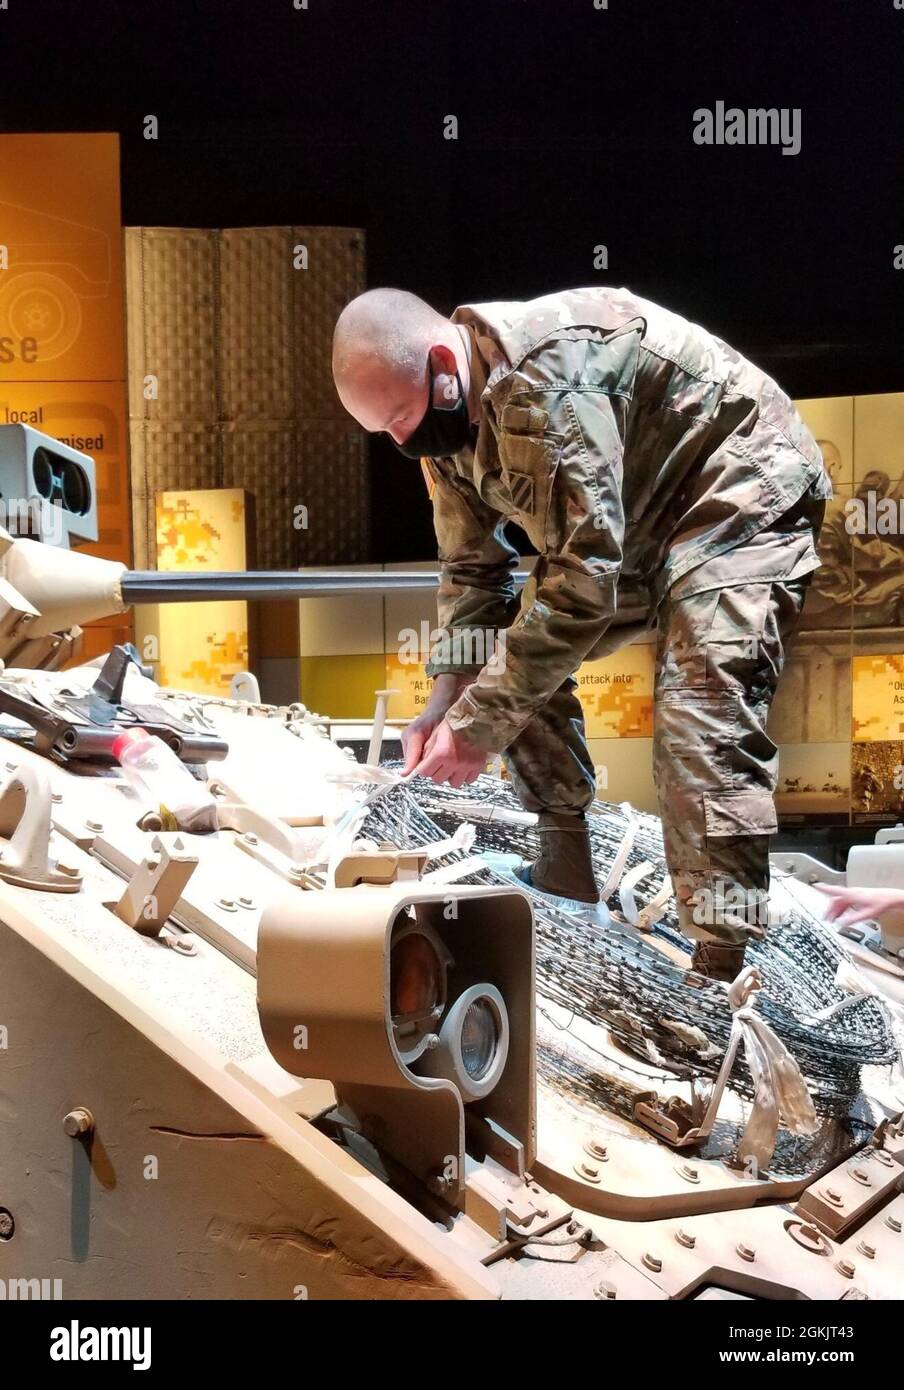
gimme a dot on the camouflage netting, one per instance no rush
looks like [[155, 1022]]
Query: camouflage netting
[[615, 976]]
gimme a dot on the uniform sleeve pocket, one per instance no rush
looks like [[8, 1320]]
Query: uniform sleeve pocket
[[529, 463]]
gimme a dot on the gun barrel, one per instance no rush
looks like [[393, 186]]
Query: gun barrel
[[158, 586]]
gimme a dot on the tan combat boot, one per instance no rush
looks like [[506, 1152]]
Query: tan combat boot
[[718, 960], [564, 866]]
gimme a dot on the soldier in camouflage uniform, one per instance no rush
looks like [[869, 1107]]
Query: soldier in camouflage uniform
[[662, 478]]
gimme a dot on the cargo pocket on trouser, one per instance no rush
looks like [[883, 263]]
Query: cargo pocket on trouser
[[714, 761], [735, 901], [694, 735]]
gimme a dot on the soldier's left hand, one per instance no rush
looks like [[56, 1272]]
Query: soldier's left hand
[[449, 757]]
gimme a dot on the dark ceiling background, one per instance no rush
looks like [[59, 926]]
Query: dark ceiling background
[[575, 128]]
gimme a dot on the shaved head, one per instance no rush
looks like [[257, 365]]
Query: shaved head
[[382, 343], [392, 325]]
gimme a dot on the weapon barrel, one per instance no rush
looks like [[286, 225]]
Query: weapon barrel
[[159, 586]]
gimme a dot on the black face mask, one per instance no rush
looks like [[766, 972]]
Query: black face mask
[[442, 431]]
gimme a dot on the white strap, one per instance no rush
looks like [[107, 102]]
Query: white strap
[[624, 849], [450, 873], [463, 839], [780, 1093], [655, 908], [342, 837], [479, 810], [626, 890]]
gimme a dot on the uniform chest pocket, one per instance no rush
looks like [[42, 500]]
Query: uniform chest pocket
[[529, 463]]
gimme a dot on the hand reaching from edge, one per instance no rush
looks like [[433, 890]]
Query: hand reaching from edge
[[850, 905]]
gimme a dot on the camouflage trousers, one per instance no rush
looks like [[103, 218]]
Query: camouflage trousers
[[720, 652], [549, 762], [719, 656]]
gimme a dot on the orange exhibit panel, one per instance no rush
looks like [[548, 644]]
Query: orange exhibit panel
[[62, 360]]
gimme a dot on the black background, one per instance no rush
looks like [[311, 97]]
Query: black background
[[575, 128]]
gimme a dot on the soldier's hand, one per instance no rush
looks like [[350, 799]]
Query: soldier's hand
[[449, 757], [416, 735], [851, 905], [414, 739]]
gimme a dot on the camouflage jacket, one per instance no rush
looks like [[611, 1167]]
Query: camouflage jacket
[[631, 446]]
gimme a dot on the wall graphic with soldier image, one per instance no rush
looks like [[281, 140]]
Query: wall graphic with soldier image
[[836, 717]]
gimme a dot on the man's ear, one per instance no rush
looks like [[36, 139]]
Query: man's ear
[[443, 364], [442, 360]]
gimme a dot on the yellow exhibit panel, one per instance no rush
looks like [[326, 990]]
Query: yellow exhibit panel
[[616, 693], [878, 698], [198, 646], [343, 686], [623, 769], [412, 683]]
